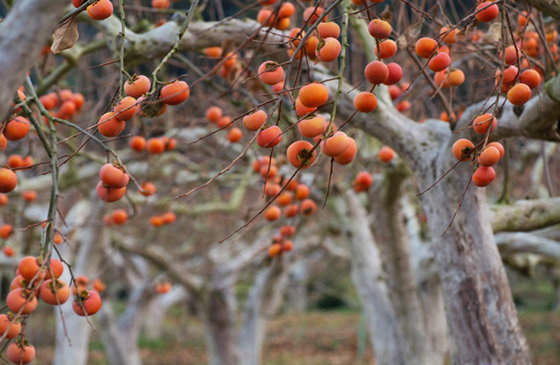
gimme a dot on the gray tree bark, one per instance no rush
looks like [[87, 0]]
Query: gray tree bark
[[391, 235], [87, 241], [26, 29], [263, 302], [370, 281], [158, 307]]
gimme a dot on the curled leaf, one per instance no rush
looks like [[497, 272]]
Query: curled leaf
[[65, 36]]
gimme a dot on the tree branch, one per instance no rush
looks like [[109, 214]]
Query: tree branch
[[526, 215], [25, 31]]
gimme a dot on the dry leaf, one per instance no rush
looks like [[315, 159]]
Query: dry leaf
[[402, 42], [415, 29], [65, 36], [493, 34], [386, 15]]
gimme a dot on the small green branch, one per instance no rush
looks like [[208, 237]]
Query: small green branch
[[180, 35], [342, 62]]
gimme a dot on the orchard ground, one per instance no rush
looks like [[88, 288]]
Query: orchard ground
[[319, 336]]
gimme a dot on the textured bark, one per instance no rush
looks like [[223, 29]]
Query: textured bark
[[391, 235], [369, 280], [481, 315], [87, 240], [429, 287], [120, 338], [526, 215], [263, 302], [26, 29], [218, 311], [297, 286], [158, 307]]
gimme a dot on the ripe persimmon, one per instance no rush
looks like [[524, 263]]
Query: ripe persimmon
[[530, 78], [312, 126], [498, 146], [336, 144], [16, 129], [519, 94], [8, 251], [213, 52], [91, 303], [155, 146], [274, 250], [270, 72], [110, 126], [100, 10], [487, 12], [313, 95], [175, 93], [17, 300], [299, 154], [272, 213], [376, 72], [461, 149], [6, 231], [483, 176], [255, 121], [125, 109], [29, 195], [395, 74], [119, 216], [302, 110], [269, 137], [213, 113], [349, 154], [285, 198], [137, 86], [137, 143], [20, 354], [312, 14], [287, 10], [456, 77], [14, 327], [489, 157], [365, 102], [54, 292], [109, 195], [439, 62], [15, 161], [387, 49], [113, 176], [302, 192], [161, 4], [379, 29], [328, 50], [291, 210], [425, 47], [363, 179], [8, 180], [308, 207], [234, 135], [148, 189], [169, 218], [386, 154], [56, 267], [482, 123], [448, 35]]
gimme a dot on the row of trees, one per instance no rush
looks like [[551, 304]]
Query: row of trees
[[191, 199]]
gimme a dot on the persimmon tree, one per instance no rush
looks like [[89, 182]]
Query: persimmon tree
[[294, 88]]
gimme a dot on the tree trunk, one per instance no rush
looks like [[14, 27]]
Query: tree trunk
[[297, 286], [391, 235], [368, 277], [120, 339], [218, 315], [87, 241], [263, 302], [429, 286], [158, 307], [481, 315]]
